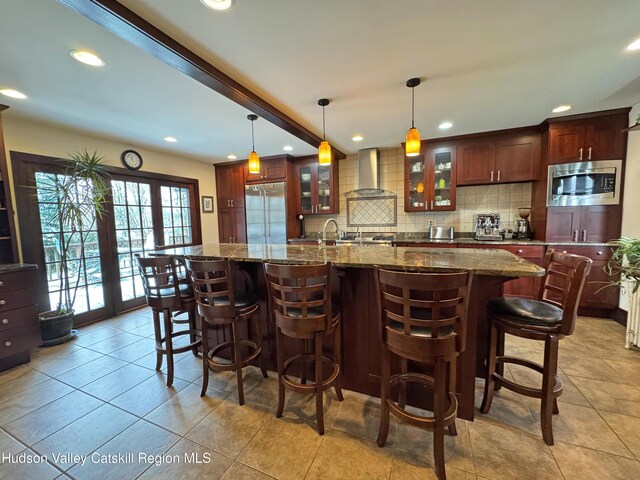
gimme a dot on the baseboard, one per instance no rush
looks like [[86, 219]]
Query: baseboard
[[620, 316]]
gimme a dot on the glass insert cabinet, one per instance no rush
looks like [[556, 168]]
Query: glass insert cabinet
[[316, 187], [430, 180]]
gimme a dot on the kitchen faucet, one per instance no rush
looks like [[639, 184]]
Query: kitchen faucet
[[323, 241]]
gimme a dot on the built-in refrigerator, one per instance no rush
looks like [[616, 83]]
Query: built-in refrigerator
[[266, 213]]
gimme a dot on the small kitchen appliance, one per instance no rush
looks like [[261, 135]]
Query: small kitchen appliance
[[488, 227], [523, 229]]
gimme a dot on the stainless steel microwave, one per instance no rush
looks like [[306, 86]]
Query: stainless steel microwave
[[584, 183]]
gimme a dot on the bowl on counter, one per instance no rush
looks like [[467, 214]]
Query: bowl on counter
[[306, 194], [305, 177]]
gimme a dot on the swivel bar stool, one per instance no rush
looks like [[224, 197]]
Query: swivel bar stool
[[300, 300], [549, 318], [165, 295], [219, 307], [423, 319]]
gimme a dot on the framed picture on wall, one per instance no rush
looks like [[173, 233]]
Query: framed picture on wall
[[207, 204]]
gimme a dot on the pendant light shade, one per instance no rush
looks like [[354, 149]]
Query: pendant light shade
[[254, 159], [412, 144], [324, 150]]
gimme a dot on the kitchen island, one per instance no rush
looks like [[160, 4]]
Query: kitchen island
[[354, 291]]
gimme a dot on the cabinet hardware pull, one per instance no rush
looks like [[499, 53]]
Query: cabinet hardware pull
[[564, 251], [7, 344], [431, 204], [584, 236], [492, 175], [574, 236], [520, 250], [1, 284], [580, 157], [232, 203], [589, 154], [600, 253], [3, 302], [229, 203], [498, 175], [5, 321]]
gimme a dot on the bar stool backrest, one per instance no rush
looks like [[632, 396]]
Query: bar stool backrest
[[562, 284], [423, 315], [213, 288], [160, 281], [300, 297]]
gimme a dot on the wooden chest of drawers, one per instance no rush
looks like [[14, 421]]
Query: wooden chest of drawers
[[19, 329]]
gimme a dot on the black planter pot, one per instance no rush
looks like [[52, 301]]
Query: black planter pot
[[56, 329]]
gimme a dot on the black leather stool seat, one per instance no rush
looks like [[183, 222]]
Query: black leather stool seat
[[185, 291], [529, 312], [313, 311], [242, 300]]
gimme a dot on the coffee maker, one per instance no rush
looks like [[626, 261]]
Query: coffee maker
[[523, 228], [488, 227]]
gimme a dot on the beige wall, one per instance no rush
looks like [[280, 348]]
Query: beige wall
[[504, 199], [630, 217], [29, 136]]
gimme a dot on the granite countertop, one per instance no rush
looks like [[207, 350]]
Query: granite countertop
[[14, 267], [482, 261]]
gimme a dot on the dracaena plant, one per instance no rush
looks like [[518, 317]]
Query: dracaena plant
[[71, 203], [625, 262]]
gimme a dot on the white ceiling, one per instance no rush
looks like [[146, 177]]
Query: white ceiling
[[486, 65]]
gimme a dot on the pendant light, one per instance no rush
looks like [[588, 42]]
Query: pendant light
[[324, 150], [254, 159], [412, 145]]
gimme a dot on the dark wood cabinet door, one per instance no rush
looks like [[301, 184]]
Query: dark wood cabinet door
[[605, 138], [271, 170], [226, 224], [230, 186], [475, 163], [563, 224], [518, 159], [566, 140], [600, 223], [240, 226], [237, 186]]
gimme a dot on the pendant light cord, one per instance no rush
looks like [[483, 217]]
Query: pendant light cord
[[413, 102], [323, 129], [253, 143]]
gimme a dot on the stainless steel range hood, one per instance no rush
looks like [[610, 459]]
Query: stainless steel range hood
[[368, 170]]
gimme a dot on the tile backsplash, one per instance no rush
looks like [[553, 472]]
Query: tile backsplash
[[504, 199]]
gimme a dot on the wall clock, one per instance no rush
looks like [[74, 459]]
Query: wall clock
[[131, 159]]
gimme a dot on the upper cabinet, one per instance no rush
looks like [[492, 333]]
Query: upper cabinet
[[8, 241], [230, 186], [504, 158], [430, 179], [596, 138], [273, 169], [316, 186]]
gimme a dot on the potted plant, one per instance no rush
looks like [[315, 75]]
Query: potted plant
[[625, 261], [74, 201]]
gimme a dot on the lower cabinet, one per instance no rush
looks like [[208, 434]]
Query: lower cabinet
[[19, 328], [231, 225], [597, 296]]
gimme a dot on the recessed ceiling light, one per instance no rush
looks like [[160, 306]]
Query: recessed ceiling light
[[357, 138], [561, 108], [287, 148], [633, 46], [170, 139], [232, 157], [10, 92], [87, 58], [445, 125], [219, 5]]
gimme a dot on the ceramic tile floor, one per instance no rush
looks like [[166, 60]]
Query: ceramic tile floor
[[99, 393]]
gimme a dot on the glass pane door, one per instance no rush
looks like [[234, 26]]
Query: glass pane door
[[84, 272], [324, 190], [306, 202], [417, 191], [442, 179], [134, 232], [176, 215]]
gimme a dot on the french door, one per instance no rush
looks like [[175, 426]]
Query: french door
[[146, 211]]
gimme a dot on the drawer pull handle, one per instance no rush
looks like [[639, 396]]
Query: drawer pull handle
[[7, 344], [1, 284], [3, 302], [564, 251], [520, 250], [600, 253], [5, 321]]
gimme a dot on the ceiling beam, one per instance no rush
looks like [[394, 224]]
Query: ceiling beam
[[124, 23]]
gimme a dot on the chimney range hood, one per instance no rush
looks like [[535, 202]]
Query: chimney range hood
[[368, 170]]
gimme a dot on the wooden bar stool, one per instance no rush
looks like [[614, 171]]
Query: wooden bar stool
[[423, 319], [220, 306], [549, 318], [300, 299], [166, 295]]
